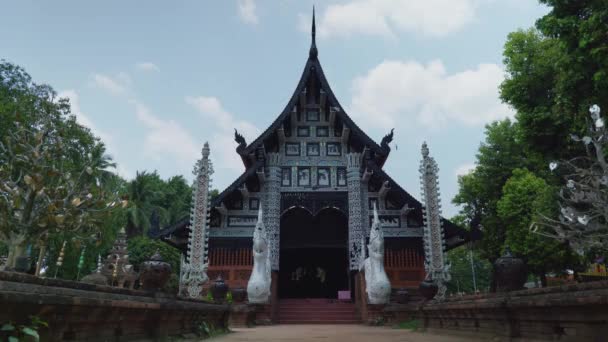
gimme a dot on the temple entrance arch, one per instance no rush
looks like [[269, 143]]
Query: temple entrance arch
[[313, 253]]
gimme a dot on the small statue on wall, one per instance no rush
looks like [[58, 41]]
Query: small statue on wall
[[377, 285], [258, 287]]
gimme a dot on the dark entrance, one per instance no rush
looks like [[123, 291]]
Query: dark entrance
[[314, 256]]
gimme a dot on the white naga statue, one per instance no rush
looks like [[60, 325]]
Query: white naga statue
[[377, 285], [258, 287], [194, 266]]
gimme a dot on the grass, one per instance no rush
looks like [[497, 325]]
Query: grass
[[413, 325]]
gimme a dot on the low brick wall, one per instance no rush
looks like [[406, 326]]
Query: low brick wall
[[567, 313], [85, 312]]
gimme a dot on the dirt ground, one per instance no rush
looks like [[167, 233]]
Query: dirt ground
[[341, 333]]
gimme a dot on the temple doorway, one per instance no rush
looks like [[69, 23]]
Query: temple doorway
[[314, 255]]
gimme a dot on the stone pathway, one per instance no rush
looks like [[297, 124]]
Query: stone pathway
[[341, 333]]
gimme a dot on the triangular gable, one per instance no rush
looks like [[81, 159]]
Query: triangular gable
[[313, 66]]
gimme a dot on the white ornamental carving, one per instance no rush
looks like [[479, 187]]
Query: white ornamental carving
[[194, 267], [377, 285], [435, 264], [258, 287], [355, 205]]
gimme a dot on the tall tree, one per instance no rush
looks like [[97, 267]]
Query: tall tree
[[140, 193], [556, 71], [147, 192], [480, 190], [50, 166], [526, 197]]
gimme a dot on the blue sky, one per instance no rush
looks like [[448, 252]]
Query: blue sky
[[156, 79]]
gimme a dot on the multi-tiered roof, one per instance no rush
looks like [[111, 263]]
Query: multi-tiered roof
[[313, 88]]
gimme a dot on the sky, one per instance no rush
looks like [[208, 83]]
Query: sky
[[156, 79]]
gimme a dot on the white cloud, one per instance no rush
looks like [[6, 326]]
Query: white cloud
[[166, 138], [247, 11], [117, 85], [84, 120], [223, 124], [387, 17], [395, 91], [147, 66], [464, 169]]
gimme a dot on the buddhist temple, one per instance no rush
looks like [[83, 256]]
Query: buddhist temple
[[317, 176]]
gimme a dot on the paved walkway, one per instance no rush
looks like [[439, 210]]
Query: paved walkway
[[341, 333]]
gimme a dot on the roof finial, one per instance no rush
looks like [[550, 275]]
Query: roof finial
[[313, 53]]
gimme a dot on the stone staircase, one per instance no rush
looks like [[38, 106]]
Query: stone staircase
[[317, 311]]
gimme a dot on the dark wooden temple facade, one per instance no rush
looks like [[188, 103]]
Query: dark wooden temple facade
[[317, 176]]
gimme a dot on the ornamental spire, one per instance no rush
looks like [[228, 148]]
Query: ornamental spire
[[313, 53], [194, 266], [436, 267]]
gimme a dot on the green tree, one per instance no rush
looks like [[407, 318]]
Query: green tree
[[480, 190], [556, 71], [142, 248], [462, 273], [50, 166], [147, 193], [176, 198], [141, 193], [526, 197]]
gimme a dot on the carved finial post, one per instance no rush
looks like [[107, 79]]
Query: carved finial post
[[194, 267], [435, 264]]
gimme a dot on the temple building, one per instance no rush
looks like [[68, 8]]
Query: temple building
[[317, 176]]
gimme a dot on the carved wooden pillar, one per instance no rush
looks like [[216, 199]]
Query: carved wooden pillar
[[355, 228], [272, 209]]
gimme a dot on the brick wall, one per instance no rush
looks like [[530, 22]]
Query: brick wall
[[577, 312], [85, 312]]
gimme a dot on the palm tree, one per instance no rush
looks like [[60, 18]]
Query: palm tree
[[141, 195]]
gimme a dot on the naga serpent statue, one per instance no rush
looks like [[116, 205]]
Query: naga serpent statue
[[377, 285], [258, 287]]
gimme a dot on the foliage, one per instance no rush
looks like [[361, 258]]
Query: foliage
[[580, 27], [413, 325], [141, 248], [148, 193], [462, 274], [525, 197], [207, 330], [52, 169], [554, 73], [16, 332], [229, 297], [480, 190], [530, 60]]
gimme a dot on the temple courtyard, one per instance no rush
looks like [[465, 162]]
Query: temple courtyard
[[343, 333]]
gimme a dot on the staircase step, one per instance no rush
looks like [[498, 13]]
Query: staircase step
[[317, 321], [317, 311], [300, 308]]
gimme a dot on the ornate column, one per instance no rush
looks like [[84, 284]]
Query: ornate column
[[194, 267], [355, 217], [272, 210], [434, 243]]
